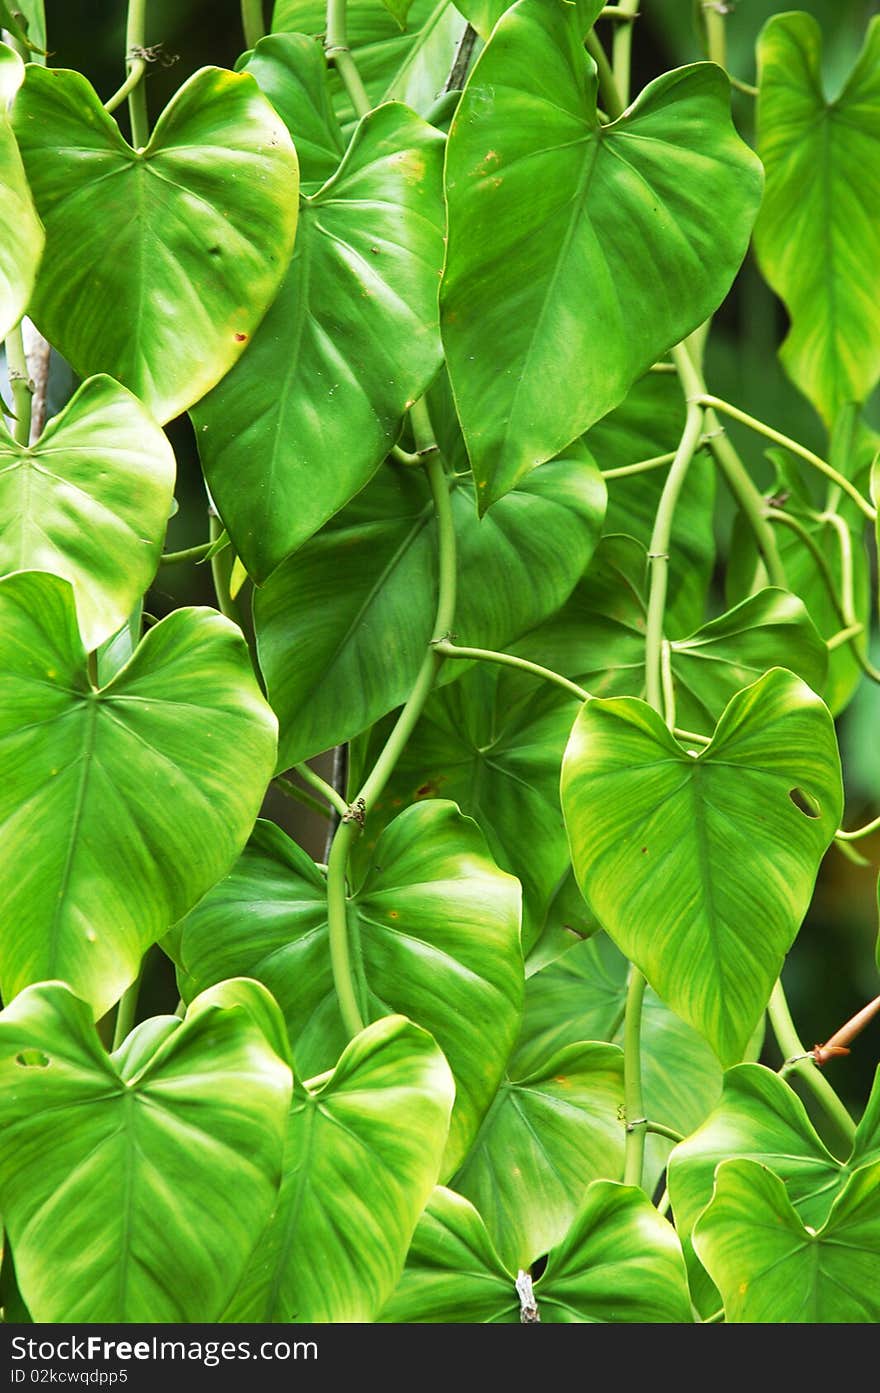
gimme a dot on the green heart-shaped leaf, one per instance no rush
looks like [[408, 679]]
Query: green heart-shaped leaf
[[485, 14], [357, 604], [408, 66], [770, 1266], [89, 502], [141, 794], [434, 932], [818, 228], [134, 1185], [619, 1262], [492, 742], [195, 231], [363, 1150], [760, 1118], [549, 1132], [565, 235], [355, 326], [701, 867], [648, 424]]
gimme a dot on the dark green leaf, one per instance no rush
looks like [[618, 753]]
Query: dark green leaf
[[434, 930], [564, 234], [357, 604], [303, 422]]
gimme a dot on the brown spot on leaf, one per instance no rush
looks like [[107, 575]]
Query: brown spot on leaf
[[241, 338]]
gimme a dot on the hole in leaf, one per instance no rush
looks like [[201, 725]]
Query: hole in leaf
[[32, 1059], [804, 802], [537, 1268]]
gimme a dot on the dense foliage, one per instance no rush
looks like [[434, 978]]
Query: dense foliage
[[436, 294]]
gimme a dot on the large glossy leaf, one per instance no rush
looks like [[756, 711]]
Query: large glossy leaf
[[649, 423], [134, 1186], [139, 795], [21, 232], [363, 1151], [404, 65], [493, 742], [818, 231], [434, 931], [598, 639], [89, 502], [291, 71], [355, 328], [760, 1118], [484, 14], [578, 253], [550, 1131], [770, 1266], [701, 867], [619, 1262], [357, 604], [195, 230], [582, 996]]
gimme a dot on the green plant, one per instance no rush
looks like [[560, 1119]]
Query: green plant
[[437, 297]]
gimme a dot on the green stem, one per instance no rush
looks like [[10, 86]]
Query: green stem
[[487, 655], [309, 776], [299, 795], [661, 1130], [349, 827], [656, 462], [172, 558], [252, 22], [221, 570], [692, 735], [748, 88], [135, 34], [716, 38], [844, 636], [621, 46], [658, 553], [736, 476], [607, 86], [634, 1107], [857, 832], [135, 73], [798, 1061], [717, 404], [125, 1011], [20, 383], [404, 456], [336, 48], [795, 525]]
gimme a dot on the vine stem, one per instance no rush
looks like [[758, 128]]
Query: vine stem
[[252, 22], [349, 827], [799, 1061], [487, 655], [336, 48], [658, 554], [611, 99], [633, 1100], [220, 569], [718, 404], [858, 832], [621, 45], [125, 1011], [640, 467], [327, 791], [299, 795], [736, 476], [20, 383], [135, 36]]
